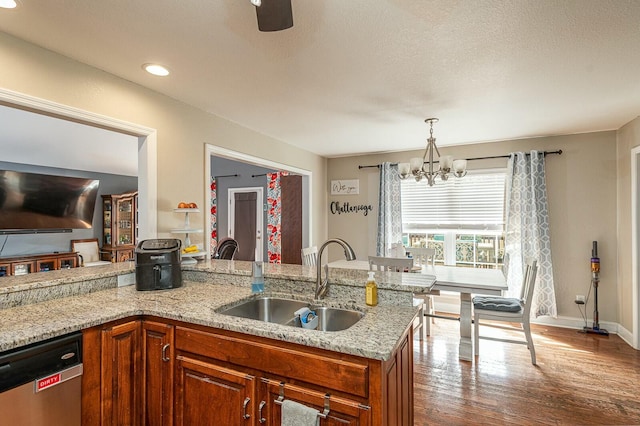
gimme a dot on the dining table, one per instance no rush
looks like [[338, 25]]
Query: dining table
[[465, 281]]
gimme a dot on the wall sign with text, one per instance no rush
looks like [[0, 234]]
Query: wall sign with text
[[337, 207], [345, 187]]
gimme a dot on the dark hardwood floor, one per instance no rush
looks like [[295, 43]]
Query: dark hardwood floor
[[579, 379]]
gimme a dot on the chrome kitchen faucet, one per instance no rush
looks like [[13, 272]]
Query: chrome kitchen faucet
[[322, 286]]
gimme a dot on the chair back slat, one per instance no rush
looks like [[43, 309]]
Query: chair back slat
[[393, 264], [310, 256], [528, 284], [422, 255]]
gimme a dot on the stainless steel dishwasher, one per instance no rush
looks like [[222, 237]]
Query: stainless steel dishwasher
[[40, 384]]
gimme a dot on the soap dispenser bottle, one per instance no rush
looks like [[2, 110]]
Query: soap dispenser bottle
[[257, 280], [371, 290]]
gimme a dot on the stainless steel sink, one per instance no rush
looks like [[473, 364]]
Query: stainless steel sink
[[334, 319], [281, 311], [268, 309]]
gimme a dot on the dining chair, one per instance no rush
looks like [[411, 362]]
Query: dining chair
[[392, 264], [425, 256], [400, 264], [88, 252], [310, 256], [505, 309], [227, 248]]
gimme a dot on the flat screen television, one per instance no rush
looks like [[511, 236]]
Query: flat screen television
[[32, 202]]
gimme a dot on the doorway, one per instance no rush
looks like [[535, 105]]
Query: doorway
[[147, 149], [245, 221], [213, 152]]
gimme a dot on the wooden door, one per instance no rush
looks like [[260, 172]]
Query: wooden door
[[120, 375], [209, 394], [157, 374], [341, 411], [246, 221]]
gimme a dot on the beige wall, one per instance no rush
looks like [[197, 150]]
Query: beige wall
[[182, 130], [581, 188], [628, 137]]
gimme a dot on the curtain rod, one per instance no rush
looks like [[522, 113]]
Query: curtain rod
[[255, 176], [559, 152], [236, 175]]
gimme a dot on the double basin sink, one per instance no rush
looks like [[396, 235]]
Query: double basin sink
[[283, 311]]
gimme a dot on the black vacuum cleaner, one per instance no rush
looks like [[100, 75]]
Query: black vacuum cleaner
[[595, 280]]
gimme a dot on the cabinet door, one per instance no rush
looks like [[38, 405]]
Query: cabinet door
[[209, 394], [124, 255], [157, 378], [22, 268], [120, 374], [341, 411], [106, 221], [124, 222], [399, 378], [48, 264], [67, 262]]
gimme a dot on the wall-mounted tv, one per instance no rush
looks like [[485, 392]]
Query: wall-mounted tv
[[32, 202]]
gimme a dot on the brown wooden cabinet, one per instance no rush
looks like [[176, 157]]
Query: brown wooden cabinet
[[158, 372], [119, 226], [20, 265], [181, 374]]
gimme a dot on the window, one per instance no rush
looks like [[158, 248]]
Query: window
[[463, 219]]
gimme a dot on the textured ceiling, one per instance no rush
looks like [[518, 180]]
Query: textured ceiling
[[359, 76]]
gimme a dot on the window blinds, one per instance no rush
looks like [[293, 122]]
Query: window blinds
[[475, 201]]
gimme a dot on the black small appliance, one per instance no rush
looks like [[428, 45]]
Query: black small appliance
[[158, 264]]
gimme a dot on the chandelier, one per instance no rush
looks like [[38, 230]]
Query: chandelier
[[423, 167]]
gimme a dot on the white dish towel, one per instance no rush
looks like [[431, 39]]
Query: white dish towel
[[294, 414]]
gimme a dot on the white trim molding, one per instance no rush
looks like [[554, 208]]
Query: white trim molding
[[635, 240]]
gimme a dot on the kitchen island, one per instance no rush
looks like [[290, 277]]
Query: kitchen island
[[371, 360]]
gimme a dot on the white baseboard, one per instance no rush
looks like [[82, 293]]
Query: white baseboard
[[575, 323]]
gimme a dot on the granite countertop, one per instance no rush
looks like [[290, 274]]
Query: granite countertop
[[375, 336]]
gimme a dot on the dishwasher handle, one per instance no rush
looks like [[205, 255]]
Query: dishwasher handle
[[51, 380]]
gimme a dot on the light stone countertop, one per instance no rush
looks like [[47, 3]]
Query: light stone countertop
[[208, 286]]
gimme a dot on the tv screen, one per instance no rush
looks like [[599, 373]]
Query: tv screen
[[32, 201]]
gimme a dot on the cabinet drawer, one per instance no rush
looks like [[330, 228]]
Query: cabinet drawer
[[347, 376]]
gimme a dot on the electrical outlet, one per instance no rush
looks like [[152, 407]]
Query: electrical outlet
[[580, 299]]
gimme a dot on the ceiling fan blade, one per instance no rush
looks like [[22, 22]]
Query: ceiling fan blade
[[274, 15]]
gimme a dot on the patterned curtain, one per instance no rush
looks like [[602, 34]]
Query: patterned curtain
[[213, 242], [274, 217], [527, 230], [389, 209]]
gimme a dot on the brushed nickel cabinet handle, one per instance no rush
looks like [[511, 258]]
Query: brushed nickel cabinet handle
[[244, 408], [165, 358], [260, 407]]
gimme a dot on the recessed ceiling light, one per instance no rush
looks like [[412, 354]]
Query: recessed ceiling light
[[8, 4], [154, 69]]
